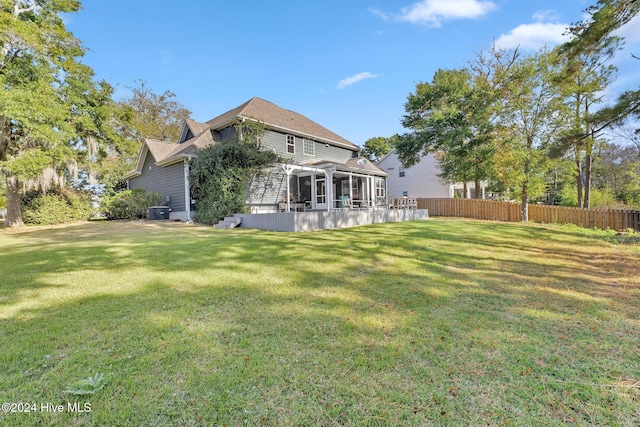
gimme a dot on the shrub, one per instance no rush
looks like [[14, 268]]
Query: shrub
[[130, 204], [220, 177], [55, 207]]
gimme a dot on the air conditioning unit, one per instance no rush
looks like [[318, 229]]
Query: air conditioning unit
[[159, 213]]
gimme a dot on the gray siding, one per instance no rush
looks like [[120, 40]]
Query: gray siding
[[167, 180], [268, 188], [278, 142], [226, 133]]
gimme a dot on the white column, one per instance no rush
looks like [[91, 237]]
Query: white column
[[288, 190], [329, 188], [314, 190], [371, 182]]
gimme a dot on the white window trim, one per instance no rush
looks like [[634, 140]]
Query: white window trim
[[291, 144], [308, 143], [380, 188]]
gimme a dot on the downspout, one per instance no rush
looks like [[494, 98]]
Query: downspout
[[187, 193]]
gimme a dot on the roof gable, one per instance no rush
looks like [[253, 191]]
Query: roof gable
[[190, 129], [277, 117]]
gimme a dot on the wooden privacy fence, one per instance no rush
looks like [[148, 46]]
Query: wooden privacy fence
[[615, 219]]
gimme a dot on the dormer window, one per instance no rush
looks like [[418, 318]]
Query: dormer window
[[291, 144]]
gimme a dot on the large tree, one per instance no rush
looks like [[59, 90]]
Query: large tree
[[452, 116], [527, 120], [155, 116], [377, 147], [41, 83], [587, 73]]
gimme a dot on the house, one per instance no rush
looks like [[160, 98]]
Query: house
[[421, 180], [319, 170]]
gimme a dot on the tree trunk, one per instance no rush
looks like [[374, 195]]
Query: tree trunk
[[478, 189], [587, 172], [579, 180], [525, 209], [587, 181], [555, 187], [464, 190], [14, 204], [525, 190]]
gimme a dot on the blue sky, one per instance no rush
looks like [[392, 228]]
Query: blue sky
[[348, 65]]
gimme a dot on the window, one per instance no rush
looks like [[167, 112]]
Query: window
[[291, 144], [308, 147], [401, 172], [380, 190], [345, 187], [405, 193]]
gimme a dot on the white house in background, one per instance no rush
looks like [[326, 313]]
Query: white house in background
[[421, 180]]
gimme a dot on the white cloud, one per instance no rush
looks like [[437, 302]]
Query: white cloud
[[380, 14], [537, 34], [355, 79], [631, 31], [546, 15], [433, 12]]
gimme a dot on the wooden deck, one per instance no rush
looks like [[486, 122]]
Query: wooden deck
[[322, 220]]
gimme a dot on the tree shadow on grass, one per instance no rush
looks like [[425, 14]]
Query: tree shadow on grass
[[392, 324], [238, 353]]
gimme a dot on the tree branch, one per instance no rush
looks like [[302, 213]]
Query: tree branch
[[17, 11]]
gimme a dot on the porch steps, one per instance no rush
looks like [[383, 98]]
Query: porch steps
[[229, 222]]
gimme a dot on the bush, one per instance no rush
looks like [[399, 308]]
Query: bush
[[55, 207], [130, 204], [600, 199], [220, 177]]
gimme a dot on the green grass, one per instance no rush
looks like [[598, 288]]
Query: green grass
[[440, 322]]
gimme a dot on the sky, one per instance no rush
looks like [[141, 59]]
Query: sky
[[349, 65]]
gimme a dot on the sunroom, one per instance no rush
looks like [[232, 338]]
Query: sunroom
[[328, 186]]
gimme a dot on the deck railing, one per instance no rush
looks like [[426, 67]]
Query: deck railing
[[615, 219]]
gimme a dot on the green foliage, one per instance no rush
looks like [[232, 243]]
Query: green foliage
[[130, 204], [3, 193], [53, 114], [55, 207], [586, 72], [527, 117], [600, 199], [88, 386], [220, 177], [451, 116], [155, 116], [377, 147]]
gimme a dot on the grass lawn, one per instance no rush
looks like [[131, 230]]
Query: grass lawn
[[439, 322]]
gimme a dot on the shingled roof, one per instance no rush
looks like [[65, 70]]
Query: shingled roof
[[159, 149], [268, 113], [196, 127], [277, 117], [188, 148]]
